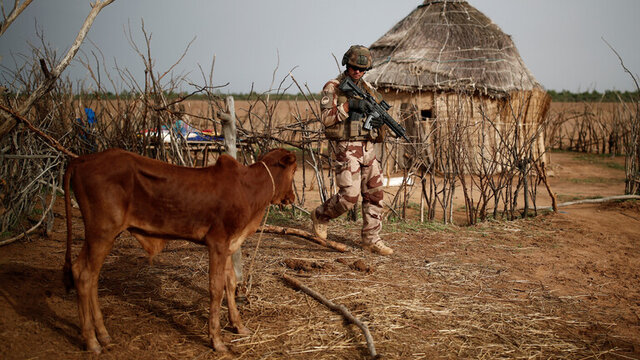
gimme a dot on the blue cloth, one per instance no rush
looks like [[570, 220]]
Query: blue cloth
[[86, 129], [91, 117]]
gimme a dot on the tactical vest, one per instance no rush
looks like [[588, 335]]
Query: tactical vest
[[351, 129]]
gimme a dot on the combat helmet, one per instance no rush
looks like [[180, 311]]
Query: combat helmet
[[358, 56]]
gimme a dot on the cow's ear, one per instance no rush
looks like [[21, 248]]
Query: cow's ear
[[288, 159]]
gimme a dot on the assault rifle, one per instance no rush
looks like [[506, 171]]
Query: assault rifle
[[378, 110]]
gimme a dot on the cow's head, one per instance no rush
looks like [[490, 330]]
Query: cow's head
[[283, 166]]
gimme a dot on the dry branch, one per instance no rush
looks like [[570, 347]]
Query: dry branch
[[542, 173], [339, 308], [592, 201], [17, 10], [272, 229], [53, 142]]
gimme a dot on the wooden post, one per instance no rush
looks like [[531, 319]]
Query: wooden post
[[229, 128], [228, 121], [422, 203]]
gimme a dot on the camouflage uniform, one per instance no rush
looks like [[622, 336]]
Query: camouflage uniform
[[357, 169]]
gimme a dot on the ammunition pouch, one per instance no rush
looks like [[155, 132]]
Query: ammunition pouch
[[350, 130], [335, 131]]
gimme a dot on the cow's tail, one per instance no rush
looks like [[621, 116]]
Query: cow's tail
[[67, 272]]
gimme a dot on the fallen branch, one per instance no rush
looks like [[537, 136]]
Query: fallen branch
[[339, 308], [599, 200], [53, 142], [272, 229]]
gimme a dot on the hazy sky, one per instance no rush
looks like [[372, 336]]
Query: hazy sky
[[559, 40]]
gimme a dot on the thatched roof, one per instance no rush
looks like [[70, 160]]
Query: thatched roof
[[448, 45]]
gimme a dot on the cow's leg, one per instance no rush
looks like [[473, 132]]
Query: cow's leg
[[217, 262], [230, 289], [82, 279], [98, 254], [86, 270]]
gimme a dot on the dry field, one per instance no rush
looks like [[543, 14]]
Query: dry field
[[561, 286]]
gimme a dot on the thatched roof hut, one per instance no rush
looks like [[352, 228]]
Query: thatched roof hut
[[448, 45], [445, 49]]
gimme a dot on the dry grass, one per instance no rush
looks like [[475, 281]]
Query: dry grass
[[426, 301]]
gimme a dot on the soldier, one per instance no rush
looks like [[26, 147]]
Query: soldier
[[357, 169]]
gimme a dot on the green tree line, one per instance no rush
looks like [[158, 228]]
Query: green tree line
[[594, 96], [556, 96], [175, 95]]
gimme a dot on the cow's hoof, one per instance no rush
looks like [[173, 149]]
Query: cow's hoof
[[219, 346], [94, 347], [243, 330]]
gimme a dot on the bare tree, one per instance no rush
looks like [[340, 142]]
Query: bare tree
[[7, 122]]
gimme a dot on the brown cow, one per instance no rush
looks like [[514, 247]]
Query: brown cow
[[217, 206]]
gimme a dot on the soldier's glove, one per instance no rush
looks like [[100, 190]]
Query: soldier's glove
[[359, 105], [377, 122]]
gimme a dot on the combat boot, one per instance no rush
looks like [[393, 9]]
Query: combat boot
[[319, 228], [378, 247]]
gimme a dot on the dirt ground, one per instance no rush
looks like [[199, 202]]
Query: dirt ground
[[561, 286]]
